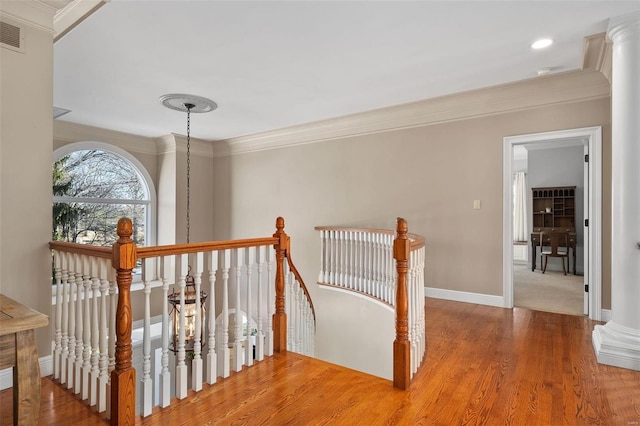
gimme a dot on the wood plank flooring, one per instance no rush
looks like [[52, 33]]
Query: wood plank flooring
[[484, 366]]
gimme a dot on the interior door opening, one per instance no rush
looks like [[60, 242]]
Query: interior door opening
[[584, 141]]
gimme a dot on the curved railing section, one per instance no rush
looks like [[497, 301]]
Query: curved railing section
[[359, 260], [251, 311], [387, 266]]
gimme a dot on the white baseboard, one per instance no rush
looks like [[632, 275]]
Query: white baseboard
[[605, 315], [6, 375], [463, 296]]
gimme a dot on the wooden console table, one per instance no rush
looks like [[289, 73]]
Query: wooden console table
[[18, 350]]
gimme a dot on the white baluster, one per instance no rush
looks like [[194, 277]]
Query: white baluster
[[64, 342], [369, 262], [321, 276], [237, 331], [411, 314], [358, 260], [86, 330], [113, 305], [298, 316], [181, 368], [223, 348], [423, 328], [330, 257], [248, 347], [290, 308], [271, 300], [166, 271], [196, 363], [342, 262], [77, 377], [347, 260], [103, 377], [212, 361], [147, 383], [260, 259], [372, 264], [390, 270], [73, 264], [337, 265], [57, 351], [95, 333]]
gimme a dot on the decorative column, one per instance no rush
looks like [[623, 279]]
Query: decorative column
[[617, 343]]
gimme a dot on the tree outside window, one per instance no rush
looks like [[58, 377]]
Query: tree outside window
[[92, 190]]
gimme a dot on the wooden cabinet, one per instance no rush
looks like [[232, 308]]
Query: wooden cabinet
[[554, 207]]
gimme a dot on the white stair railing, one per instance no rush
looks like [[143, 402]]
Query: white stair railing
[[358, 259], [235, 333], [80, 307], [362, 261]]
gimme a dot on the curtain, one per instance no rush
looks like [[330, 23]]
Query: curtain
[[520, 207]]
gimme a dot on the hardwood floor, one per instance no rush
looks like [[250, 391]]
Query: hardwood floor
[[485, 365]]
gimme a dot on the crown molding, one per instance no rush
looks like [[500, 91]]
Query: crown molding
[[597, 54], [37, 14], [174, 142], [72, 14], [570, 86], [66, 132]]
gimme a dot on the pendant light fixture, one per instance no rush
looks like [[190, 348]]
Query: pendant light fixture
[[189, 104]]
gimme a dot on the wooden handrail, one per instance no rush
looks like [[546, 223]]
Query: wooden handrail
[[84, 249], [158, 251]]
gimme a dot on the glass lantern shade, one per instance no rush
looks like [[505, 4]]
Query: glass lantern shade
[[190, 317]]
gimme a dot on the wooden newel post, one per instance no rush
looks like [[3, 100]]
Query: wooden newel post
[[280, 317], [401, 347], [123, 377]]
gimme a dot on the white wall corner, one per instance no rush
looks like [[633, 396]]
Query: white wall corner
[[6, 375], [617, 345], [199, 147]]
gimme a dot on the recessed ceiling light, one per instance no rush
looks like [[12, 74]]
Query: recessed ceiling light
[[542, 43]]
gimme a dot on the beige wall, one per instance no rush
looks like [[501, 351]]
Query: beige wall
[[25, 174], [430, 175]]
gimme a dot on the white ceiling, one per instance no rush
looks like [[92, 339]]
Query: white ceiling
[[272, 65]]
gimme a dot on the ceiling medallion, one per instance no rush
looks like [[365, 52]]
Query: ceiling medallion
[[179, 102]]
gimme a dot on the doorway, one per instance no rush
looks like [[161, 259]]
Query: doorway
[[588, 140]]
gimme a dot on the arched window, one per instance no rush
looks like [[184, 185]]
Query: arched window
[[94, 185]]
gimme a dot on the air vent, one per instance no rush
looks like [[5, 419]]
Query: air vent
[[11, 36]]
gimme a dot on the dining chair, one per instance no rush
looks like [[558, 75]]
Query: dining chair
[[554, 244]]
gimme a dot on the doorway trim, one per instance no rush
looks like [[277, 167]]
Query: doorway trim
[[591, 137]]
